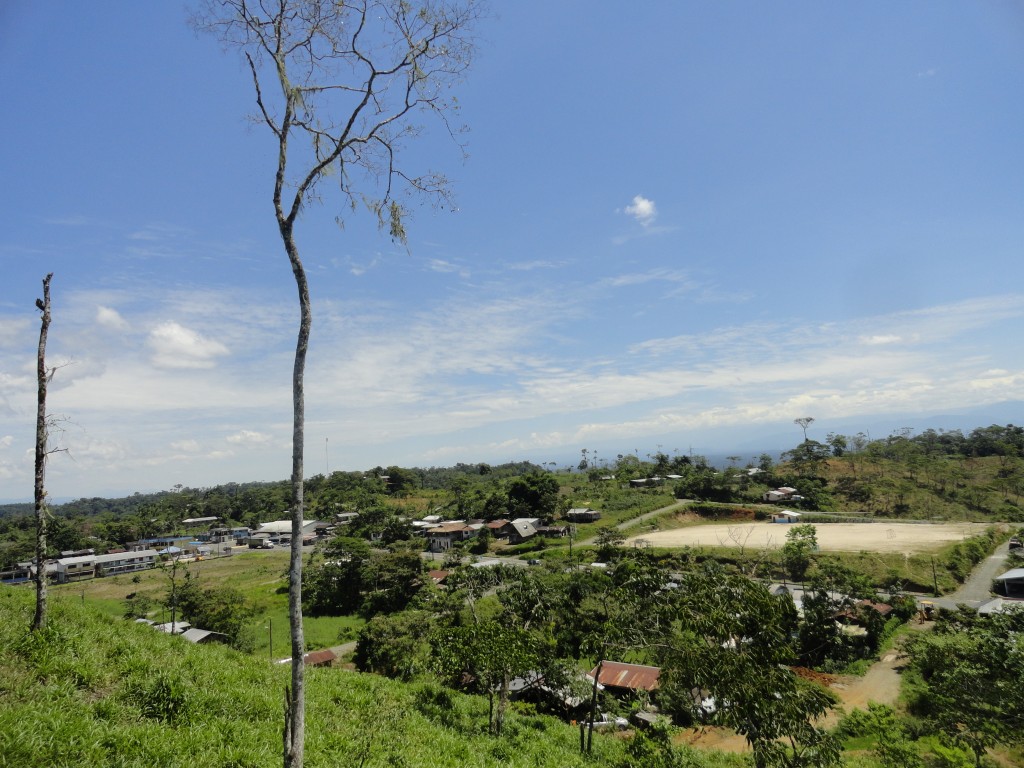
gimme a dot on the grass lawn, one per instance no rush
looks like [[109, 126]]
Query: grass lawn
[[261, 577]]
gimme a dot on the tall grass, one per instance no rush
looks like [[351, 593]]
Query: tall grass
[[97, 691]]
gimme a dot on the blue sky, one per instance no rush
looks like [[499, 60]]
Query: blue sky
[[678, 224]]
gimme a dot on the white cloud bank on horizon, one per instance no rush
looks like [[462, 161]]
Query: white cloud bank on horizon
[[490, 378]]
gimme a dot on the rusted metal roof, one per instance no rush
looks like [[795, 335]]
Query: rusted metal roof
[[319, 658], [632, 676]]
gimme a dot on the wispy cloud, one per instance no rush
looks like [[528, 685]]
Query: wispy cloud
[[110, 319], [248, 437], [528, 266], [473, 373], [175, 346]]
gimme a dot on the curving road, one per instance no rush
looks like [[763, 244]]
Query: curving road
[[978, 587]]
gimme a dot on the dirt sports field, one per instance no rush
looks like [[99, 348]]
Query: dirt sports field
[[849, 537]]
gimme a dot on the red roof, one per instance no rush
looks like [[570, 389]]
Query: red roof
[[319, 658], [632, 676]]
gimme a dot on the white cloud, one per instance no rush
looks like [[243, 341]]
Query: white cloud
[[527, 266], [175, 346], [13, 331], [440, 265], [889, 338], [643, 210], [186, 446], [6, 441], [110, 319], [248, 437]]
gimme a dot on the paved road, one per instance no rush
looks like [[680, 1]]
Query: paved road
[[978, 587], [635, 521]]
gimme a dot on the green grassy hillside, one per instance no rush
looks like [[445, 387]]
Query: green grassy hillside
[[93, 690]]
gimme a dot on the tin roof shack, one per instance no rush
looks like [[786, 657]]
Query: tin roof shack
[[582, 515], [623, 679], [324, 658], [1010, 584], [785, 516], [566, 698], [522, 528], [200, 636]]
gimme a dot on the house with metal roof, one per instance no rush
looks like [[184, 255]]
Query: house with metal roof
[[626, 678], [440, 538], [1010, 584], [111, 564], [70, 569], [522, 528]]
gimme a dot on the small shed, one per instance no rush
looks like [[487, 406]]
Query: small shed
[[785, 516], [582, 515], [1010, 584], [324, 658], [198, 636]]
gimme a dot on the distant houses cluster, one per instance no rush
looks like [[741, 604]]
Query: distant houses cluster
[[441, 535]]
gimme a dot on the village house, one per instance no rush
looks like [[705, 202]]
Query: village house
[[17, 574], [582, 515], [623, 679], [785, 493], [440, 538], [522, 528]]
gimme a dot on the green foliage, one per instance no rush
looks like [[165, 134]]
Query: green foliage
[[395, 646], [138, 606], [801, 541], [217, 609], [533, 495], [90, 691], [165, 697], [352, 577], [970, 670], [892, 743], [732, 643]]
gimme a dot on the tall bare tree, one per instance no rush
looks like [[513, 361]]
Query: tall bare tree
[[342, 86], [804, 422], [42, 432]]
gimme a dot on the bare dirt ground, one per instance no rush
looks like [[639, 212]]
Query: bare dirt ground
[[849, 537], [881, 684]]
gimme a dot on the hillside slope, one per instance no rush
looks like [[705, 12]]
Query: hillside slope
[[94, 691]]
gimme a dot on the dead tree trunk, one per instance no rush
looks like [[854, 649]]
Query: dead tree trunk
[[295, 728], [591, 716], [42, 379]]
